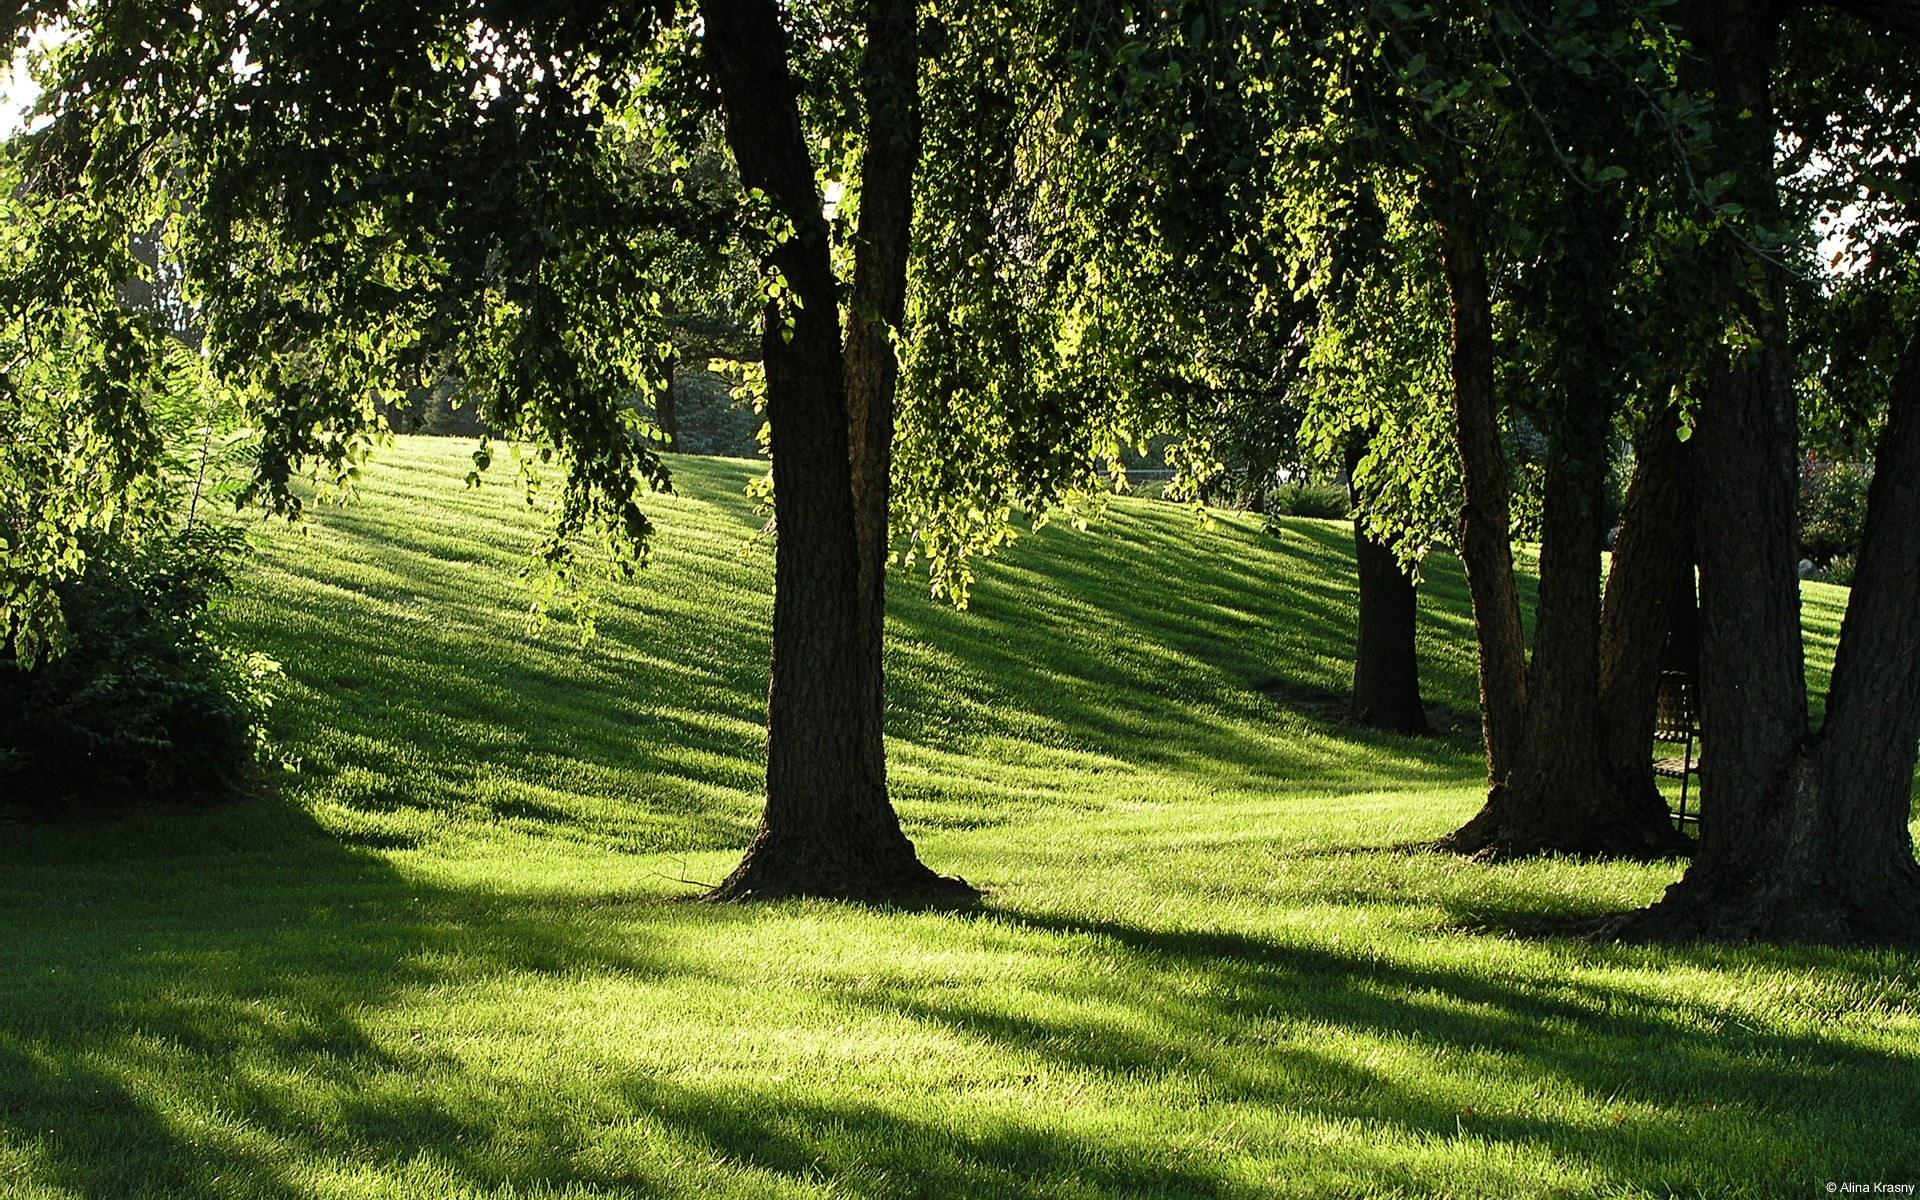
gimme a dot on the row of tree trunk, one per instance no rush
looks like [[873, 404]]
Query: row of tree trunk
[[1805, 834], [1569, 733]]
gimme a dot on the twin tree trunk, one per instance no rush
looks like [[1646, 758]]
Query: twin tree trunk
[[1556, 785], [828, 829], [1386, 662], [1804, 836]]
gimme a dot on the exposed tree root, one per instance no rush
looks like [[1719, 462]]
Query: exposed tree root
[[892, 877], [1611, 825], [1781, 908]]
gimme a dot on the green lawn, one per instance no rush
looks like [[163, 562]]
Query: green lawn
[[455, 957]]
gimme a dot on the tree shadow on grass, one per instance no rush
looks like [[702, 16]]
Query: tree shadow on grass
[[420, 704], [1094, 643], [184, 1020], [1245, 1014]]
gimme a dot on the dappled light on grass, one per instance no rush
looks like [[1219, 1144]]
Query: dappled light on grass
[[454, 958]]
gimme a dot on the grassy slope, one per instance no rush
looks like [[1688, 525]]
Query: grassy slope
[[453, 960]]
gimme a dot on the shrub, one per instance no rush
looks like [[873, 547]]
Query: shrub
[[1322, 500], [140, 701], [1833, 508], [1839, 571]]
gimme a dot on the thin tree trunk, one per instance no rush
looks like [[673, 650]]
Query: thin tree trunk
[[890, 91], [1652, 573], [1486, 546], [1386, 660], [666, 408], [828, 828]]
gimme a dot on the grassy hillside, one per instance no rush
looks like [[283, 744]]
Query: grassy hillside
[[454, 955]]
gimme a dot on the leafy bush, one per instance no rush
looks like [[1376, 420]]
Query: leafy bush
[[1839, 571], [1323, 500], [140, 699], [1833, 508]]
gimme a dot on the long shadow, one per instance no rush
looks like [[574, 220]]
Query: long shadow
[[225, 1049], [185, 1019], [1092, 643], [223, 1043], [416, 694], [1208, 1002]]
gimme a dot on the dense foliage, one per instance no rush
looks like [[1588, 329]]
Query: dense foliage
[[1833, 509], [149, 702]]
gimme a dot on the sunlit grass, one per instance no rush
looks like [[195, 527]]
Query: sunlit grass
[[454, 957]]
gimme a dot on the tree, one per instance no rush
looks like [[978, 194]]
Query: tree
[[1561, 790], [1649, 599], [1386, 664], [1140, 194], [1494, 142], [1377, 388], [1804, 834], [829, 829], [370, 195]]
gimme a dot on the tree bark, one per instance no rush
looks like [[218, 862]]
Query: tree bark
[[890, 91], [1386, 660], [1257, 492], [1551, 790], [1559, 796], [1803, 837], [828, 828], [1486, 546], [1649, 596], [1822, 850], [1869, 740]]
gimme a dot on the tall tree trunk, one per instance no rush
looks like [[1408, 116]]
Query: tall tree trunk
[[828, 828], [1551, 790], [890, 91], [1803, 837], [1559, 796], [1821, 850], [1486, 546], [1652, 576], [1753, 706], [1867, 879], [1386, 660]]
